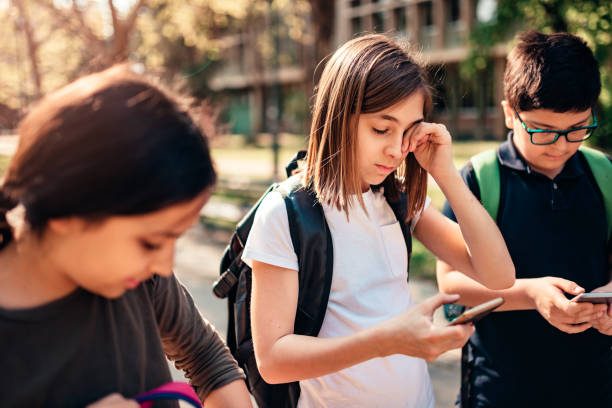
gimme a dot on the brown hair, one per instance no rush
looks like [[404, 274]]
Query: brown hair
[[367, 74], [108, 144], [551, 71]]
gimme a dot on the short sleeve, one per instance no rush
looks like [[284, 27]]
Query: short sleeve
[[416, 218], [269, 240]]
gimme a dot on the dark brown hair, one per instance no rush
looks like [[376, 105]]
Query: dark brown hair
[[367, 74], [108, 144], [551, 71]]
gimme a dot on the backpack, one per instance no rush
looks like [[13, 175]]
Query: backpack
[[312, 243], [486, 170]]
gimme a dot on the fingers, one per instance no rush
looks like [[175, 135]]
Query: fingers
[[430, 304], [448, 338], [573, 329], [428, 132], [581, 312], [603, 325], [567, 286]]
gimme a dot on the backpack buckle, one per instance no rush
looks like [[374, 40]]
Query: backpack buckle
[[224, 284]]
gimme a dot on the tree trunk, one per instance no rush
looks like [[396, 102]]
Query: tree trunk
[[32, 47]]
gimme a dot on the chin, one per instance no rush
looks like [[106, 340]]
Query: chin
[[111, 293]]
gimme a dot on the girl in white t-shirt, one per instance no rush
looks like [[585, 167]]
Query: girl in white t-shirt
[[369, 137]]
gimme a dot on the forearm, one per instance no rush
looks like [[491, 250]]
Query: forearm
[[488, 253], [231, 395], [473, 293], [191, 341], [295, 357]]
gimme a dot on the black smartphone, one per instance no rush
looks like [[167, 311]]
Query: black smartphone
[[594, 297], [478, 312]]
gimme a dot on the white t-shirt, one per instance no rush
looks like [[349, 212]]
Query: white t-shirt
[[369, 285]]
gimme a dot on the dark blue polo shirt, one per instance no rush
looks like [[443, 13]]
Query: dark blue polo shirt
[[552, 228]]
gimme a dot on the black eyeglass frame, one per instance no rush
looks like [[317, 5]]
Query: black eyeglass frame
[[559, 133]]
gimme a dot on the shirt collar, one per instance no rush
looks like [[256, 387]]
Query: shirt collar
[[510, 157]]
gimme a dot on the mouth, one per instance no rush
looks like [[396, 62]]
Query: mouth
[[554, 156], [385, 169], [131, 283]]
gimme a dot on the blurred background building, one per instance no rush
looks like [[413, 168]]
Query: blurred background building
[[438, 28], [257, 61]]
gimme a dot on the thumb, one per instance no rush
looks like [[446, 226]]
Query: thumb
[[432, 303], [568, 286]]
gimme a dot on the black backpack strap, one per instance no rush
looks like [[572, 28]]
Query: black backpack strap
[[400, 209], [231, 263], [313, 246]]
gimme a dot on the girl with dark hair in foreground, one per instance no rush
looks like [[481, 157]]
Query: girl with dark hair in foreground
[[108, 173]]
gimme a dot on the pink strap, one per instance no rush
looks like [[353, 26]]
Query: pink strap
[[171, 390]]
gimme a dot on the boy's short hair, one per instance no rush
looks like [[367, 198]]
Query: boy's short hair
[[551, 71]]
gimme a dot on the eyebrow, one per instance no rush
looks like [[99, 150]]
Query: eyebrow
[[552, 127], [394, 119]]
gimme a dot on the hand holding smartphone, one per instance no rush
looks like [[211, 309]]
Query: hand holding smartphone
[[594, 297], [478, 312]]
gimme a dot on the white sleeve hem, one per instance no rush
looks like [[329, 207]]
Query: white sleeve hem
[[251, 255]]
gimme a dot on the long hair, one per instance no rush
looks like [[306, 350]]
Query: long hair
[[108, 144], [367, 74]]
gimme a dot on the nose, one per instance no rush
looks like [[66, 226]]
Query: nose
[[164, 261], [393, 148], [561, 141]]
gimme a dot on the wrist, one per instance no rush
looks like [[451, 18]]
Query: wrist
[[380, 340], [446, 176], [530, 288]]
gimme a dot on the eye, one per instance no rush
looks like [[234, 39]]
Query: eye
[[150, 246], [379, 131]]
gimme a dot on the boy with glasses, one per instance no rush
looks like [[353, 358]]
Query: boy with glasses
[[540, 349]]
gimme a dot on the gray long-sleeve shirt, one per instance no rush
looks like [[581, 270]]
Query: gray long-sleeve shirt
[[82, 347]]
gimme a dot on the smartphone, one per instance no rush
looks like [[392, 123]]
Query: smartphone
[[478, 312], [594, 297]]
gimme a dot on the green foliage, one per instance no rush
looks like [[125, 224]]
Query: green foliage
[[591, 20], [4, 161]]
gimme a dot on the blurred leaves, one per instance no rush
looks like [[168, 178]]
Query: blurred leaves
[[74, 37]]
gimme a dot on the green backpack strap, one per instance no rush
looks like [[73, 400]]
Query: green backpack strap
[[601, 167], [486, 170]]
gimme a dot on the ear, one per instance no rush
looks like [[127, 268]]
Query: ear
[[67, 225], [508, 114]]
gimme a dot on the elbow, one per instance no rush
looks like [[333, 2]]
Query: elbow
[[444, 283], [509, 278], [269, 371], [505, 279]]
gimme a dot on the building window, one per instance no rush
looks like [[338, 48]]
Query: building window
[[355, 3], [427, 30], [426, 13], [399, 19], [356, 25], [378, 21], [455, 32], [453, 12]]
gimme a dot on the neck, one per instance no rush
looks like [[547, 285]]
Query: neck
[[28, 276]]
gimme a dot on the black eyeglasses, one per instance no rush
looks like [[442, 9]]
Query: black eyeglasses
[[546, 137]]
